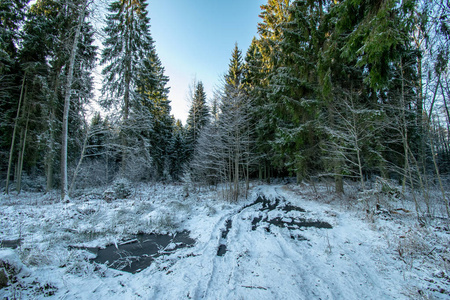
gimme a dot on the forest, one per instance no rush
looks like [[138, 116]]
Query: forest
[[319, 168], [347, 90]]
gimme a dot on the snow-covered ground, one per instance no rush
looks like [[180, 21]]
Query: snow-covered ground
[[380, 254]]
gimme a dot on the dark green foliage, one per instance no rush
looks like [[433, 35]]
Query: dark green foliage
[[310, 60], [294, 90], [41, 64], [135, 85], [177, 151], [235, 69], [12, 16], [197, 118], [349, 88]]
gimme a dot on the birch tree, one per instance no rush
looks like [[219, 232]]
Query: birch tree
[[68, 93]]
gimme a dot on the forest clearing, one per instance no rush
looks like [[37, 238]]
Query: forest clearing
[[327, 248], [315, 166]]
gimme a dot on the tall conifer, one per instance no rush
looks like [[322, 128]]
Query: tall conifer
[[197, 118], [133, 74]]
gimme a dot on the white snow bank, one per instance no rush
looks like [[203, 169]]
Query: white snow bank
[[11, 263]]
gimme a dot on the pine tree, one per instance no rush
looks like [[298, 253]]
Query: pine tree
[[198, 117], [293, 90], [154, 93], [128, 51], [265, 60], [12, 15], [177, 151]]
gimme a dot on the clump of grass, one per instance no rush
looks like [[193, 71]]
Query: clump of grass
[[413, 246]]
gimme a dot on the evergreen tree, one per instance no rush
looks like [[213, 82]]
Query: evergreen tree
[[261, 112], [222, 153], [153, 90], [44, 54], [128, 69], [234, 77], [252, 67], [293, 90], [12, 15], [274, 13], [177, 151], [265, 60], [361, 57], [197, 118]]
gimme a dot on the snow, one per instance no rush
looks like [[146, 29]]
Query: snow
[[360, 257], [10, 260]]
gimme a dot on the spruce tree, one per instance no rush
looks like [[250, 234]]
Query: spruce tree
[[224, 149], [261, 114], [234, 76], [153, 91], [197, 118], [128, 50], [12, 15], [177, 151], [273, 14], [266, 59], [47, 37], [293, 90], [358, 70]]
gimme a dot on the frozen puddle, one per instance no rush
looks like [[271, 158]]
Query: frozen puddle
[[265, 206], [137, 254]]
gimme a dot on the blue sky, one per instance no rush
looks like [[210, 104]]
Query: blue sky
[[194, 40]]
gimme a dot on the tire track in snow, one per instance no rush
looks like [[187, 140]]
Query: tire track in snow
[[359, 282], [213, 243], [270, 264]]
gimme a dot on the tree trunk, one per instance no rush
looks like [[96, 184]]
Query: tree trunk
[[23, 134], [68, 92], [446, 108], [80, 161], [50, 152], [337, 164], [24, 142], [51, 128], [236, 176], [11, 151]]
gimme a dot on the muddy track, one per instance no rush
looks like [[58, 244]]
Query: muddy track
[[229, 270]]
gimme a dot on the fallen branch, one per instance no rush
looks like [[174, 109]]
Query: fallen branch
[[254, 287]]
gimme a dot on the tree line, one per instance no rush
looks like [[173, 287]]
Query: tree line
[[337, 89]]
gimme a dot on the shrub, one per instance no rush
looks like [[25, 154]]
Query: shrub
[[122, 188]]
